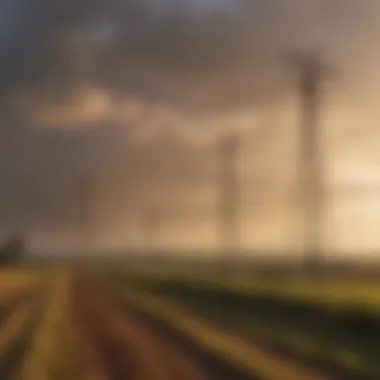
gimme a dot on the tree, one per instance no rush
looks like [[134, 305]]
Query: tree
[[12, 250]]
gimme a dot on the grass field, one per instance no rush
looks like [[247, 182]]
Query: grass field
[[330, 292], [53, 326], [49, 330], [329, 323]]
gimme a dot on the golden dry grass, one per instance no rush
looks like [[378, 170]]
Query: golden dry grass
[[37, 365], [13, 281], [59, 350]]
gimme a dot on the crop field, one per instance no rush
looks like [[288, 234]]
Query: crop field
[[329, 323], [167, 325], [59, 324]]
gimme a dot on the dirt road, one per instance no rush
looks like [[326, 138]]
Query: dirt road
[[129, 348], [103, 335]]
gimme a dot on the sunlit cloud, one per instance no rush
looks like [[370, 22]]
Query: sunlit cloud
[[137, 93]]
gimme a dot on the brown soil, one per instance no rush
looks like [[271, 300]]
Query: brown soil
[[129, 347]]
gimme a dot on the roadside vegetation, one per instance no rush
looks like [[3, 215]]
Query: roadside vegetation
[[332, 324]]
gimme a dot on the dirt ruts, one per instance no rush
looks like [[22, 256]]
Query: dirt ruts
[[129, 347]]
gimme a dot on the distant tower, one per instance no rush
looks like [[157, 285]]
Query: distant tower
[[229, 198], [312, 71]]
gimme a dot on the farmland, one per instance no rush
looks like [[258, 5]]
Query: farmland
[[144, 324], [329, 323], [68, 327]]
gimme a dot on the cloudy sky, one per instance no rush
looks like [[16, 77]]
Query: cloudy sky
[[131, 95]]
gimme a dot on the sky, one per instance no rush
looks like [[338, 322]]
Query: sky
[[132, 95]]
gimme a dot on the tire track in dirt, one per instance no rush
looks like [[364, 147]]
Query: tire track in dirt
[[107, 335], [275, 363], [129, 347], [27, 312]]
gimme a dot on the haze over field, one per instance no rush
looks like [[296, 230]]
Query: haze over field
[[133, 94]]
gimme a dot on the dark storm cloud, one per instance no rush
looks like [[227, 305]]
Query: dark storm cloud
[[206, 54]]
